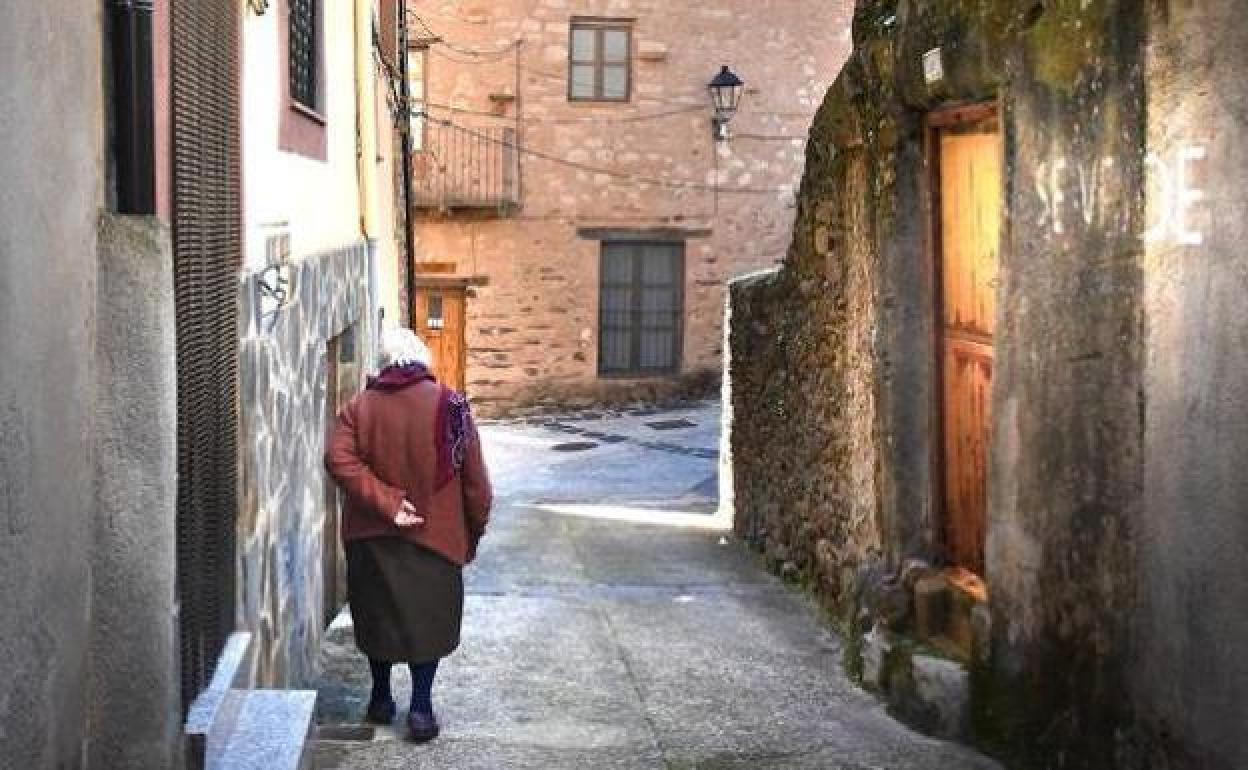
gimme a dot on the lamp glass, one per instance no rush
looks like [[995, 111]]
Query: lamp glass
[[726, 89]]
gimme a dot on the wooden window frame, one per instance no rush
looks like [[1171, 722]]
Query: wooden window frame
[[599, 27], [302, 130], [635, 371]]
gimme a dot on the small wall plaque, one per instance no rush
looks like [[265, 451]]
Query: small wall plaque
[[933, 66]]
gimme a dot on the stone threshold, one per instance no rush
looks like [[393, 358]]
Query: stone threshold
[[234, 727]]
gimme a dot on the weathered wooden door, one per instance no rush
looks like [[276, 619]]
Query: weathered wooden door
[[970, 194], [439, 320]]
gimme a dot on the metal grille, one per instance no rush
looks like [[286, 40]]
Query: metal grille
[[462, 167], [303, 74], [207, 250], [641, 308]]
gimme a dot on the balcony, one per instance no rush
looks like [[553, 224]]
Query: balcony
[[457, 167]]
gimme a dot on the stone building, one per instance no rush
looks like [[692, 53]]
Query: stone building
[[993, 404], [576, 220], [141, 604]]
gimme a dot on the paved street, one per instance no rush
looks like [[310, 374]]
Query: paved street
[[612, 623]]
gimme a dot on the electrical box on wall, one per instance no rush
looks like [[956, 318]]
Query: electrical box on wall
[[933, 66]]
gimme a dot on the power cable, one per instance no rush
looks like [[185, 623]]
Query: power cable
[[567, 121], [479, 52], [770, 137], [635, 178]]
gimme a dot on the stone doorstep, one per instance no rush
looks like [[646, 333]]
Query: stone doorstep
[[233, 727], [945, 605], [942, 690], [213, 714], [273, 731], [931, 692]]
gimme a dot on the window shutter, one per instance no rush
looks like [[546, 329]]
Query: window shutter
[[207, 254]]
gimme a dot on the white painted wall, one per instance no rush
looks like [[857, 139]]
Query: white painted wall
[[319, 200]]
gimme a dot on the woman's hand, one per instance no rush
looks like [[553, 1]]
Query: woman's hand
[[407, 516]]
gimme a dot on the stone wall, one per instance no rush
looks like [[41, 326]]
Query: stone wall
[[287, 532], [533, 327], [1192, 590], [1103, 527]]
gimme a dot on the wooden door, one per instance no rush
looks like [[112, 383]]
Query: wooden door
[[439, 320], [970, 193], [330, 558]]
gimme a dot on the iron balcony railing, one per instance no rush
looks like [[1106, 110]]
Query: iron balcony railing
[[458, 167]]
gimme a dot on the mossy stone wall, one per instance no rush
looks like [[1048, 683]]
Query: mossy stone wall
[[833, 360]]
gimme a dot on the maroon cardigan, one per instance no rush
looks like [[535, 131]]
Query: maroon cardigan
[[383, 450]]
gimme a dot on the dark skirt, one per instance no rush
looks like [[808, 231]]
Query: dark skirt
[[407, 602]]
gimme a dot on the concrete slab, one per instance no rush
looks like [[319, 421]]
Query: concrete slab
[[476, 754], [271, 733]]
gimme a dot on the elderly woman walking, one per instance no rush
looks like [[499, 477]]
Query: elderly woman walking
[[408, 456]]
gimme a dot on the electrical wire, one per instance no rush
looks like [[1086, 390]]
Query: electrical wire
[[478, 52], [770, 137], [635, 178], [567, 121], [691, 100]]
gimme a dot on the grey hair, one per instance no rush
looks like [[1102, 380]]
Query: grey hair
[[401, 347]]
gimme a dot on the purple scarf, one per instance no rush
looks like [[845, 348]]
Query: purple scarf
[[454, 421]]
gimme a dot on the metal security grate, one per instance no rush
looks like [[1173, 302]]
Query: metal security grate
[[207, 249], [640, 313], [303, 64]]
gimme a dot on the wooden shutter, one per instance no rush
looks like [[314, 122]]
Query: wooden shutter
[[389, 33]]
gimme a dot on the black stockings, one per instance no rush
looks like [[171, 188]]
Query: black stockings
[[422, 683]]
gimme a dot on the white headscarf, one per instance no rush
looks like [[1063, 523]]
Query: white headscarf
[[401, 347]]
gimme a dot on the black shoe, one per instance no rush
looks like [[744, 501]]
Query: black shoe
[[422, 728], [380, 712]]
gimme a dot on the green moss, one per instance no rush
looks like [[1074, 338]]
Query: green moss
[[896, 668], [1066, 41]]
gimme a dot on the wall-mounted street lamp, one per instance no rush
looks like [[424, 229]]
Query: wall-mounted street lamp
[[725, 90]]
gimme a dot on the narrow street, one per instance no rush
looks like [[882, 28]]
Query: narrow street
[[612, 622]]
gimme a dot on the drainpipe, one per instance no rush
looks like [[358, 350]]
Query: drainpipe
[[405, 110], [361, 175], [363, 72], [133, 122]]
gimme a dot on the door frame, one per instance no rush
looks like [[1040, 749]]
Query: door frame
[[934, 122], [449, 284]]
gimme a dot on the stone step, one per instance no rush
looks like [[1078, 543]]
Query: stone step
[[272, 730], [213, 714]]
